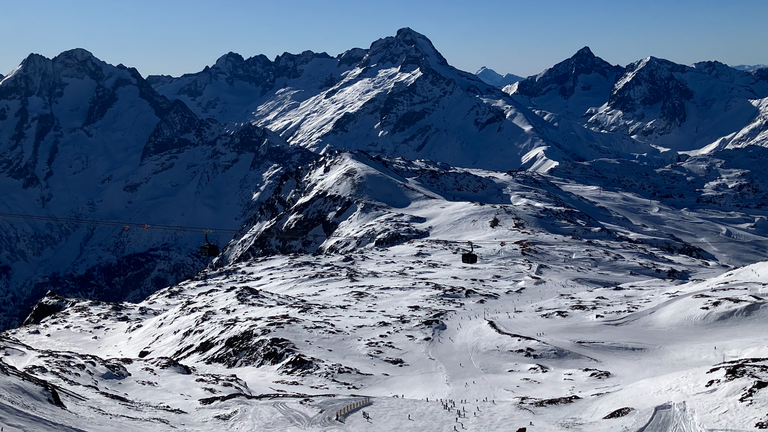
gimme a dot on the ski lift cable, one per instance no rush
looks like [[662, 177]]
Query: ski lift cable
[[63, 220], [184, 228]]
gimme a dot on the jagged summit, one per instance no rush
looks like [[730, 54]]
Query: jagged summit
[[683, 107], [566, 76], [416, 47], [40, 74], [228, 59], [33, 65], [652, 81]]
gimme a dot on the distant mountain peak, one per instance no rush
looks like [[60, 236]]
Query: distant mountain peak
[[408, 42], [31, 63], [564, 76], [76, 54], [750, 68], [229, 58], [584, 52], [407, 33], [490, 76], [656, 62]]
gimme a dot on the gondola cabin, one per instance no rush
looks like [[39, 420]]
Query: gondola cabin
[[209, 250], [469, 258]]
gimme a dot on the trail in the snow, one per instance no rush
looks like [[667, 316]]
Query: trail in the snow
[[298, 418], [670, 418]]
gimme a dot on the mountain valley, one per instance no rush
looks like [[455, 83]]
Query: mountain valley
[[617, 215]]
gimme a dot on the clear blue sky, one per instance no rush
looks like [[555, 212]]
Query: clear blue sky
[[522, 37]]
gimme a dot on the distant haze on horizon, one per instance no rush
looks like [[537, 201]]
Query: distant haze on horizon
[[175, 37]]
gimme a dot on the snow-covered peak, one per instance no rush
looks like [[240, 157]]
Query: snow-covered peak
[[415, 47], [417, 40], [33, 63], [30, 71], [229, 60], [565, 77], [42, 76], [657, 98], [79, 63], [76, 55], [649, 82]]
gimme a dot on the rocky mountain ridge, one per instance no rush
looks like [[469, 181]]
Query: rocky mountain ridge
[[84, 140], [685, 108], [399, 97]]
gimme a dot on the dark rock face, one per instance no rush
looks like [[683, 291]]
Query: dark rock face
[[246, 349], [621, 412], [650, 82], [564, 76], [760, 74], [305, 216], [83, 139], [50, 304], [38, 88], [177, 130]]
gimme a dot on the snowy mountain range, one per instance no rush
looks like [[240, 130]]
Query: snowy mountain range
[[85, 140], [683, 108], [618, 214]]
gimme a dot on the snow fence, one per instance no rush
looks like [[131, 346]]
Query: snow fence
[[342, 413]]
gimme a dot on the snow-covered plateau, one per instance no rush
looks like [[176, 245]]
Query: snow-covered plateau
[[618, 216]]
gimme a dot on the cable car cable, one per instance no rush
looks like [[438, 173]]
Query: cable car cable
[[184, 228]]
